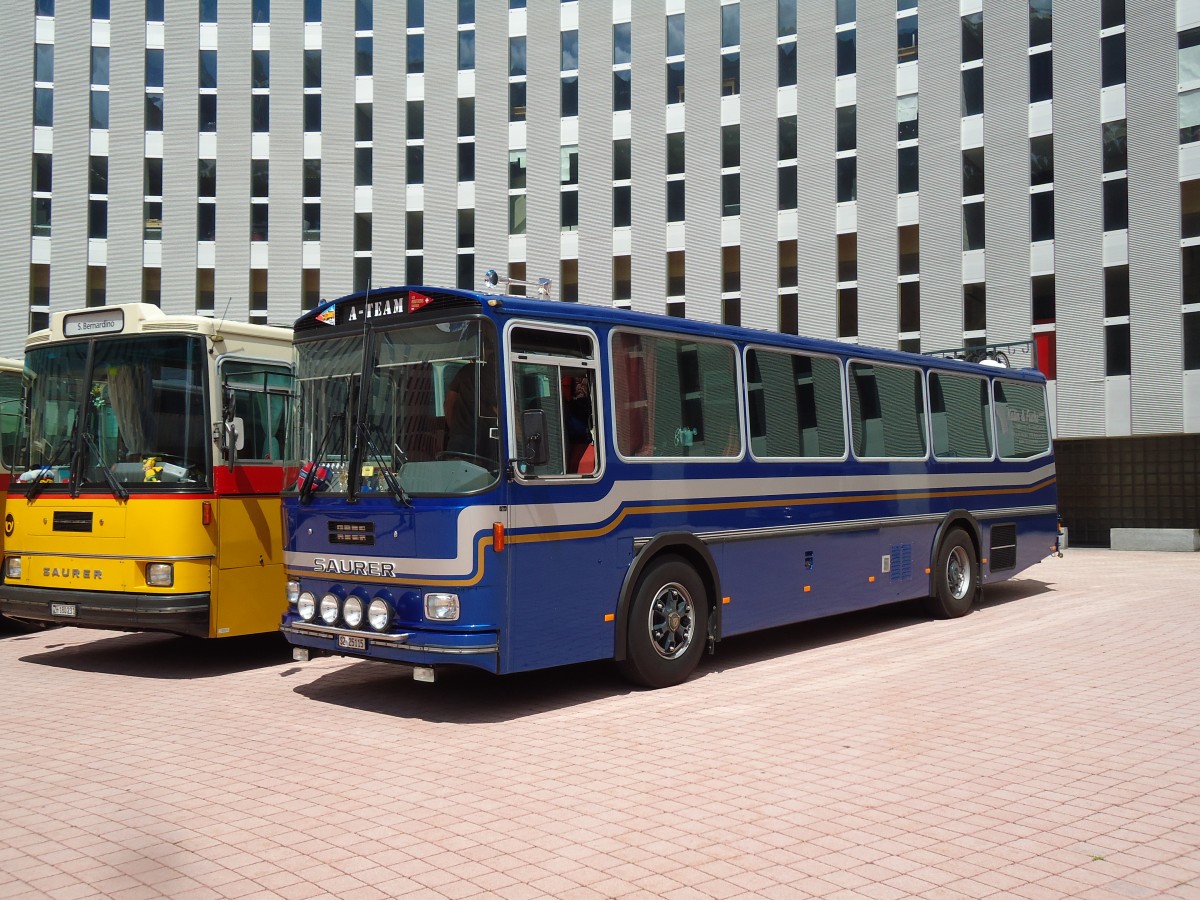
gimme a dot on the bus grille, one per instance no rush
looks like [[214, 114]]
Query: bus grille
[[65, 520], [1003, 554], [901, 562]]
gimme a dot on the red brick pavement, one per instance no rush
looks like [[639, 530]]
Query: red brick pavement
[[1047, 745]]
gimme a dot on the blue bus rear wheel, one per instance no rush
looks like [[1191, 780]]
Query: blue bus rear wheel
[[668, 625], [956, 576]]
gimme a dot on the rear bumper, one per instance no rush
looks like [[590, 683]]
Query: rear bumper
[[173, 613]]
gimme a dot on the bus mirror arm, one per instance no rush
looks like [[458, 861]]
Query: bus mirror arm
[[229, 437], [534, 451]]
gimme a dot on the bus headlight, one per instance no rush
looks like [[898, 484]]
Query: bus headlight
[[441, 607], [12, 567], [293, 591], [160, 574], [329, 609], [306, 606], [377, 614], [352, 612]]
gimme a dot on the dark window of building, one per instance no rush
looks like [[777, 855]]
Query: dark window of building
[[1112, 59], [260, 177], [1041, 21], [622, 278], [154, 68], [1041, 216], [847, 257], [847, 179], [516, 56], [622, 206], [312, 178], [972, 172], [1191, 340], [972, 92], [569, 97], [466, 161], [787, 187], [731, 272], [312, 112], [152, 182], [675, 35], [206, 221], [364, 121], [1116, 349], [847, 54], [973, 226], [207, 112], [1116, 291], [260, 113], [1112, 13], [1116, 204], [1189, 206], [972, 37], [364, 54], [622, 43], [466, 116], [847, 129], [787, 137], [908, 239], [1116, 156], [622, 160], [847, 312], [1041, 76], [206, 178], [676, 279], [675, 82], [1041, 159], [907, 170], [788, 268], [787, 64], [622, 90], [208, 68], [1042, 299], [910, 306], [675, 153], [416, 54], [414, 165], [975, 306], [906, 39], [99, 112], [675, 201], [516, 101]]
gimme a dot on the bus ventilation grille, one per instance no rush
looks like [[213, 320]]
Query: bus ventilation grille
[[360, 534], [1003, 554], [901, 562], [72, 521]]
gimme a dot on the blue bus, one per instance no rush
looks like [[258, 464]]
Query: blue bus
[[512, 483]]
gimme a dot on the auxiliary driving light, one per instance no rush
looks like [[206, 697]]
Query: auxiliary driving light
[[352, 612], [160, 574], [12, 567], [441, 607], [306, 606], [377, 614], [329, 609], [293, 591]]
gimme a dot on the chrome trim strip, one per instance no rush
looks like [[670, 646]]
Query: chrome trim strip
[[748, 534], [325, 631], [110, 557]]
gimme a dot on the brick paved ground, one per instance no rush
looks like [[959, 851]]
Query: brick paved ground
[[1047, 745]]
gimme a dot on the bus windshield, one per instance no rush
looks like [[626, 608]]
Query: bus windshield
[[116, 412], [429, 419]]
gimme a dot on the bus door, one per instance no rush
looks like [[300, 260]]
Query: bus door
[[249, 565], [558, 589]]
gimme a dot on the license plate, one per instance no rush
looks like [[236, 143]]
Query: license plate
[[350, 642], [63, 609]]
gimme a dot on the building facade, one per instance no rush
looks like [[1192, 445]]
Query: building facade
[[916, 175]]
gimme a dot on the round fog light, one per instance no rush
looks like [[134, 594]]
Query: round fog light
[[352, 612], [377, 614], [306, 606], [329, 609]]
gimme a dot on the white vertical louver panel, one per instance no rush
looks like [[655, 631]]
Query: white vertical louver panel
[[1006, 168], [649, 165], [389, 100], [441, 144], [285, 272], [595, 153], [543, 54], [1155, 283], [703, 162], [72, 78], [233, 164], [877, 175], [180, 117], [126, 149], [337, 149], [1079, 275], [16, 145]]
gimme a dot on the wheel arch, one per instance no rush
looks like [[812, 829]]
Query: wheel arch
[[692, 550], [956, 518]]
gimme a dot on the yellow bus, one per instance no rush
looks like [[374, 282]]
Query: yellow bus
[[148, 466]]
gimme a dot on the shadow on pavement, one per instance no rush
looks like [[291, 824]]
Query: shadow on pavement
[[471, 696], [147, 655]]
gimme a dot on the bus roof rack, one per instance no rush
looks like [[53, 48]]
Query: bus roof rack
[[1010, 355]]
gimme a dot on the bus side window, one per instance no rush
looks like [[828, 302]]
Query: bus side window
[[260, 395]]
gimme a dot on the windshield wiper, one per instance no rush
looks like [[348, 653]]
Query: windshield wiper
[[118, 489], [310, 477], [389, 476], [39, 484]]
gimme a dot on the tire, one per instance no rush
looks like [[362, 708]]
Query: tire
[[955, 577], [668, 625]]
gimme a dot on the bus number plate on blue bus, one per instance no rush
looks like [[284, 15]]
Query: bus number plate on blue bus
[[350, 642], [62, 609]]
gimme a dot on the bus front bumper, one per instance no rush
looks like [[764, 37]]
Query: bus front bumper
[[173, 613], [417, 648]]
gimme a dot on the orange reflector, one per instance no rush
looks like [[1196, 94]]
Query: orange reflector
[[871, 579], [984, 560], [927, 571], [807, 588], [206, 512], [724, 599], [497, 536], [608, 617]]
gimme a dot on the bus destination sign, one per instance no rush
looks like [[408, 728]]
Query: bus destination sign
[[99, 321]]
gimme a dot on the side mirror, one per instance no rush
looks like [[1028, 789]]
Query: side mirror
[[230, 436], [533, 425]]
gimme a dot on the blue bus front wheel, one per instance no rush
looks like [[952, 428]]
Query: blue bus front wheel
[[668, 625]]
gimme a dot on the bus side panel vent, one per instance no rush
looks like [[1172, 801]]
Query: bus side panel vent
[[67, 520], [361, 534], [901, 562], [1003, 553]]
